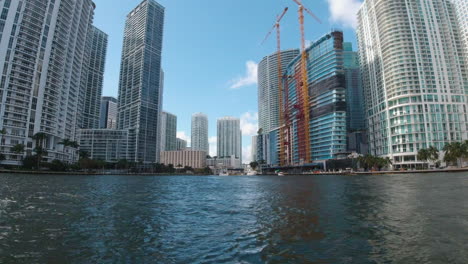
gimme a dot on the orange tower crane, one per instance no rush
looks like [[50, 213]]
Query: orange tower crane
[[304, 84], [280, 74]]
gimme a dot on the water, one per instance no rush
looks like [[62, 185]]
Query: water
[[294, 219]]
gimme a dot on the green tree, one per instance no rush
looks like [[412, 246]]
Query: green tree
[[253, 165], [40, 138], [19, 149], [29, 162], [40, 153], [454, 152]]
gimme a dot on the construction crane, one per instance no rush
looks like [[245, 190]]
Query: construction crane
[[277, 26], [304, 84]]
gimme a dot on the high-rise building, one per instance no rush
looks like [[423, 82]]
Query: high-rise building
[[356, 118], [268, 91], [461, 6], [327, 92], [108, 113], [97, 45], [42, 65], [168, 132], [254, 147], [200, 132], [229, 138], [181, 144], [414, 77], [139, 107]]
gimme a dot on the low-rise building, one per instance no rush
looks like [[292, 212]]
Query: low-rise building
[[104, 144], [224, 163], [191, 158]]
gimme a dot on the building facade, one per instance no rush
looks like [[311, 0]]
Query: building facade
[[42, 65], [200, 132], [224, 163], [97, 49], [327, 93], [229, 138], [461, 6], [108, 113], [254, 148], [140, 98], [192, 158], [181, 144], [414, 77], [268, 88], [168, 132], [104, 144]]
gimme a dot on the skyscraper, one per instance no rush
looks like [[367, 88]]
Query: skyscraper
[[229, 138], [268, 93], [42, 65], [200, 132], [254, 148], [355, 119], [181, 144], [108, 113], [414, 77], [461, 6], [97, 45], [139, 107], [168, 132], [327, 94]]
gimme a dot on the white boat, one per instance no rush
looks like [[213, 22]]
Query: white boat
[[280, 174], [251, 173], [223, 173]]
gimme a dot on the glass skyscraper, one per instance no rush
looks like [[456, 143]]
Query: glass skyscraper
[[168, 132], [42, 66], [108, 113], [414, 77], [268, 88], [199, 136], [327, 91], [139, 107], [97, 48], [229, 138]]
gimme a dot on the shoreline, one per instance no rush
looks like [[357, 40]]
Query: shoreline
[[454, 170]]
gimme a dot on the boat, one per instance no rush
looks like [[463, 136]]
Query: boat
[[280, 174], [251, 173], [223, 173]]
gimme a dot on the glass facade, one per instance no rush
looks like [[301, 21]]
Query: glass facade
[[97, 49], [140, 93], [327, 127], [229, 138], [200, 132]]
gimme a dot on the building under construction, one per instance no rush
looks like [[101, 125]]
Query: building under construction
[[314, 127]]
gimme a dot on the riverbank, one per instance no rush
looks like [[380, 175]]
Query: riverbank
[[93, 173]]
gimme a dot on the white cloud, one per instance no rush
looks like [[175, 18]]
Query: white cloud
[[213, 145], [250, 77], [249, 123], [184, 136], [247, 154], [344, 12]]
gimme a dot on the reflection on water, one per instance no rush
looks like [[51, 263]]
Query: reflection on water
[[297, 219]]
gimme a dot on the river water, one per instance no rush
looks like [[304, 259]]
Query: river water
[[178, 219]]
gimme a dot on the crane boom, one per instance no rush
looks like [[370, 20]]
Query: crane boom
[[303, 88], [280, 73]]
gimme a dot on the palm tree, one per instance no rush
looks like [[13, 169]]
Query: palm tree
[[40, 153], [40, 137], [454, 152], [19, 149]]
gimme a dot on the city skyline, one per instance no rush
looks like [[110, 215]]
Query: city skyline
[[240, 102]]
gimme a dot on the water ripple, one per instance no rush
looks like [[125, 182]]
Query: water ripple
[[320, 219]]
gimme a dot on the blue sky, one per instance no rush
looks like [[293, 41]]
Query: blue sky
[[212, 46]]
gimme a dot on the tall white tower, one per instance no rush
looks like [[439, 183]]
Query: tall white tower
[[414, 77], [200, 132]]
